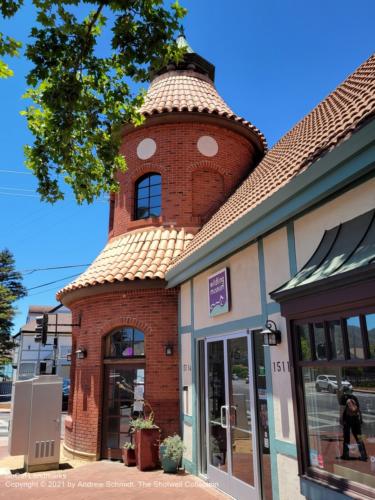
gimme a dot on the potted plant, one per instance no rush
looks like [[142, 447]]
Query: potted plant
[[171, 451], [128, 454], [147, 437]]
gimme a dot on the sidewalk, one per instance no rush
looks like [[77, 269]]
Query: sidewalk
[[104, 479]]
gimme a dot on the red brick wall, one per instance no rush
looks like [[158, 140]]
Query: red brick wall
[[154, 311], [193, 186], [214, 193], [177, 159]]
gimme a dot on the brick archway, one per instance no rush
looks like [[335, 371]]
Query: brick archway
[[110, 325]]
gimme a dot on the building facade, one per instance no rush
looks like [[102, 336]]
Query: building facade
[[129, 317], [211, 237], [295, 246], [31, 358]]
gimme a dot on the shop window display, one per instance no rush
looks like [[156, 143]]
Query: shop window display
[[337, 374]]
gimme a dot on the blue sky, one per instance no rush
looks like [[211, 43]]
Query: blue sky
[[275, 60]]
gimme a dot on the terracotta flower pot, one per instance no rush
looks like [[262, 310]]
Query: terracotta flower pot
[[128, 457], [147, 448]]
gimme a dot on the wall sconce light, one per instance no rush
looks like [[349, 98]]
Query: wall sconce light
[[169, 350], [69, 356], [271, 335], [81, 353]]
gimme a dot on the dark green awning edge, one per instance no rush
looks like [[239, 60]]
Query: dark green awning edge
[[345, 254]]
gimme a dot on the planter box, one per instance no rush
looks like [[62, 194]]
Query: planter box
[[128, 457], [167, 463], [147, 448]]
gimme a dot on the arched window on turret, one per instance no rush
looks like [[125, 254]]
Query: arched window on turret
[[148, 196], [125, 342]]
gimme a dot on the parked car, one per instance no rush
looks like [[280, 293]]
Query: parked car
[[65, 393], [330, 383]]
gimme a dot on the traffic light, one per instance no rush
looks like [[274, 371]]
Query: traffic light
[[41, 329]]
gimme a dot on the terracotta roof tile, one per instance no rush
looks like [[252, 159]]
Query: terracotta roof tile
[[136, 255], [334, 119], [183, 90]]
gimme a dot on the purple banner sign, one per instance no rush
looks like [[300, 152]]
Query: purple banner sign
[[218, 293]]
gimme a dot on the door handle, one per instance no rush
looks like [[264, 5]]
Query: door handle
[[224, 426], [234, 408]]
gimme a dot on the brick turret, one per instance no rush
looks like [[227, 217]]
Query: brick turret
[[183, 163]]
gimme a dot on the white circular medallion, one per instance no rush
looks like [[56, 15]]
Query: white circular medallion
[[146, 148], [207, 145]]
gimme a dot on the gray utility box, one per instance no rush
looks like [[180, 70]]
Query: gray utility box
[[35, 422]]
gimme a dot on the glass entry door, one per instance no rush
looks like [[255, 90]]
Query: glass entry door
[[123, 400], [230, 421]]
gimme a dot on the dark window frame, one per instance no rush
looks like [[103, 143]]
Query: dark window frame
[[149, 197], [306, 471], [108, 342]]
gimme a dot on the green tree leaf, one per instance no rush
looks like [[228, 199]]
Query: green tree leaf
[[81, 100]]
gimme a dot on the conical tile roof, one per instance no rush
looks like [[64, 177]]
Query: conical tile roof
[[189, 91], [333, 120], [135, 255]]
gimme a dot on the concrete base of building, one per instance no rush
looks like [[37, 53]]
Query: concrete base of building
[[81, 455]]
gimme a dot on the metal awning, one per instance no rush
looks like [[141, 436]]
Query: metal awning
[[345, 250]]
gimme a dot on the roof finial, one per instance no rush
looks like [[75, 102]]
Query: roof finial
[[190, 61], [182, 42]]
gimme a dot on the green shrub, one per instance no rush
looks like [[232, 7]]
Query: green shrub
[[173, 448], [240, 370], [142, 423]]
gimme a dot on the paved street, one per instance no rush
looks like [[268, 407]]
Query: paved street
[[323, 410], [4, 421]]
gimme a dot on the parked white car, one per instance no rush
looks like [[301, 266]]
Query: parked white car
[[330, 383]]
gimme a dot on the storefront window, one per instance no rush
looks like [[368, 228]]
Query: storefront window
[[353, 326], [304, 339], [336, 339], [320, 341], [370, 324], [337, 374], [340, 414]]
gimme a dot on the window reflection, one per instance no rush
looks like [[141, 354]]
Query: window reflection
[[304, 338], [216, 403], [340, 409], [124, 400], [353, 326], [148, 196], [320, 341], [125, 342], [240, 414], [336, 338], [370, 323]]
